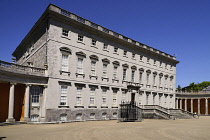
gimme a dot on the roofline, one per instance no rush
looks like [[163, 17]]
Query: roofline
[[55, 9]]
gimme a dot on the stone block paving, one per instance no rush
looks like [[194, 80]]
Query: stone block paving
[[186, 129]]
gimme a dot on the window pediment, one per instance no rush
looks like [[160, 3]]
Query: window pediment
[[81, 54], [94, 57], [166, 75], [161, 74], [154, 73], [105, 60], [116, 63], [148, 71], [133, 67], [65, 50], [141, 70], [125, 65]]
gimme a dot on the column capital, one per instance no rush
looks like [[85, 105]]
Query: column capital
[[206, 98], [12, 83], [28, 85]]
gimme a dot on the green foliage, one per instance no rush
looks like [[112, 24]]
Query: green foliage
[[195, 87]]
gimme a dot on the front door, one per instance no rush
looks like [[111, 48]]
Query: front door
[[132, 98]]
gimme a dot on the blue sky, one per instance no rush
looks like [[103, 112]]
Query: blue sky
[[177, 27]]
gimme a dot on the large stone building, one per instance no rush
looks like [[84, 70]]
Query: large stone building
[[71, 69]]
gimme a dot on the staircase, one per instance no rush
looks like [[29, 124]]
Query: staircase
[[159, 112], [182, 114]]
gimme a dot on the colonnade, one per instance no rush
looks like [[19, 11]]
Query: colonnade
[[11, 103], [27, 102], [181, 103]]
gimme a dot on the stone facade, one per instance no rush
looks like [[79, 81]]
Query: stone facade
[[91, 69]]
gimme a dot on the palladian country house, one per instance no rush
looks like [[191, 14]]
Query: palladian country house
[[68, 68]]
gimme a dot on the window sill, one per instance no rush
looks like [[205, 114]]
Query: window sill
[[66, 37], [92, 76], [81, 42], [65, 72], [63, 106], [105, 78], [113, 80], [116, 53], [79, 106], [94, 46], [133, 58], [148, 86], [106, 50], [80, 74], [104, 106], [125, 56], [114, 106], [35, 105], [124, 81], [92, 106], [141, 61]]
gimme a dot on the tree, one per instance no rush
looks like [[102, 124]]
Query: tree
[[179, 88]]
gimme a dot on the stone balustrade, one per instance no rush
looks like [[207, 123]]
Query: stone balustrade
[[195, 93], [11, 67]]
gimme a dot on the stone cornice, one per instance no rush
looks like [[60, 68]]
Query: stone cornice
[[53, 11]]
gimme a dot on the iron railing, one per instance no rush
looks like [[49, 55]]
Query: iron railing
[[129, 111]]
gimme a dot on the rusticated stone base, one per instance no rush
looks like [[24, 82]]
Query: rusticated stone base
[[53, 115]]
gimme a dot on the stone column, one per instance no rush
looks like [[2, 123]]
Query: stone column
[[206, 108], [180, 104], [199, 106], [185, 105], [177, 103], [11, 103], [26, 106], [191, 105]]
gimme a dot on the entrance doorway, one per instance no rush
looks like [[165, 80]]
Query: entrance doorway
[[132, 98]]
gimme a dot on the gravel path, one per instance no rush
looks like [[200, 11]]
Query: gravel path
[[192, 129]]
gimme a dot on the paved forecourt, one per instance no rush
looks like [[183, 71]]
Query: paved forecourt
[[191, 129]]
